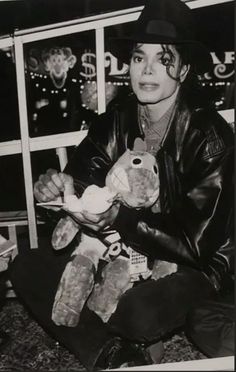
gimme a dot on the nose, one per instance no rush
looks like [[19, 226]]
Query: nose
[[148, 69]]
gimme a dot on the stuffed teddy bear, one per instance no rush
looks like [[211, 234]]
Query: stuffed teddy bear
[[133, 181]]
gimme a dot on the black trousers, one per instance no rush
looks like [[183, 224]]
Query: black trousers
[[211, 326], [145, 313]]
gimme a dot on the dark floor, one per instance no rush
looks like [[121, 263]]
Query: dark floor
[[30, 348]]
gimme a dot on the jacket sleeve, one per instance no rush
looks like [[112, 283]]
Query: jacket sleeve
[[195, 228], [93, 158]]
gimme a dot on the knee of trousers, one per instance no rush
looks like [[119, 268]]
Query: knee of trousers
[[134, 318], [21, 264], [31, 270], [192, 321], [211, 330]]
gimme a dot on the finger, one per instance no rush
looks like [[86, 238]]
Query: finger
[[50, 172], [44, 192], [58, 181], [40, 197], [55, 177], [68, 183], [47, 183], [65, 178]]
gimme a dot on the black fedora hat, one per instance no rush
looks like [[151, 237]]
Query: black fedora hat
[[165, 22]]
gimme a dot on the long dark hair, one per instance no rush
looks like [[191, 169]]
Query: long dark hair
[[191, 89]]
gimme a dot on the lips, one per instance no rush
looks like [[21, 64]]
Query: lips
[[148, 86]]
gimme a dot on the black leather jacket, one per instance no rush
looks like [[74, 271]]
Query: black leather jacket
[[196, 186]]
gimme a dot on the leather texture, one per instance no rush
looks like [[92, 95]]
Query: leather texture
[[195, 225]]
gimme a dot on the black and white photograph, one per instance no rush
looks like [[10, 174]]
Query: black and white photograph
[[117, 185]]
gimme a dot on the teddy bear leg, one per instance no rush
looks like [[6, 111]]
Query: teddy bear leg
[[74, 288], [106, 294]]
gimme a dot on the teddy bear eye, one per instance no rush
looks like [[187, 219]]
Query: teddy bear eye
[[136, 162], [155, 169]]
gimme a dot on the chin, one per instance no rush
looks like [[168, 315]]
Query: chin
[[148, 99]]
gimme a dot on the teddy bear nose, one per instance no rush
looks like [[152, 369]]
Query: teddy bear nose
[[137, 161]]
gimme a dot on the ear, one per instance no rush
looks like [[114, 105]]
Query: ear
[[184, 72]]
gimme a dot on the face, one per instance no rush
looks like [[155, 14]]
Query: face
[[153, 70]]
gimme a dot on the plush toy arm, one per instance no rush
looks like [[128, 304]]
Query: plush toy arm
[[64, 232], [94, 200], [66, 228]]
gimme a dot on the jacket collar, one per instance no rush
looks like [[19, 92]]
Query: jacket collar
[[175, 134]]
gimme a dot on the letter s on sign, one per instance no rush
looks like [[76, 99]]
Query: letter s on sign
[[89, 67]]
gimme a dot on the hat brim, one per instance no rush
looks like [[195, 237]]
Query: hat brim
[[201, 59]]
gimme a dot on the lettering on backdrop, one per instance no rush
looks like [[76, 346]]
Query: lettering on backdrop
[[112, 62], [222, 68], [88, 60]]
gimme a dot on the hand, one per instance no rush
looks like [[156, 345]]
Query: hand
[[51, 184], [99, 221]]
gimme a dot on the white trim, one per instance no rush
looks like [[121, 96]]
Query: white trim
[[10, 147], [57, 140], [79, 25], [202, 3], [100, 66], [95, 22], [6, 42], [22, 101], [213, 364], [228, 115], [44, 142]]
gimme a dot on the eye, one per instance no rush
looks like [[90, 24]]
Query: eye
[[155, 170], [137, 162], [167, 59], [137, 59]]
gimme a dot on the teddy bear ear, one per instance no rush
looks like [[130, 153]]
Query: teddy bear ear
[[139, 145]]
